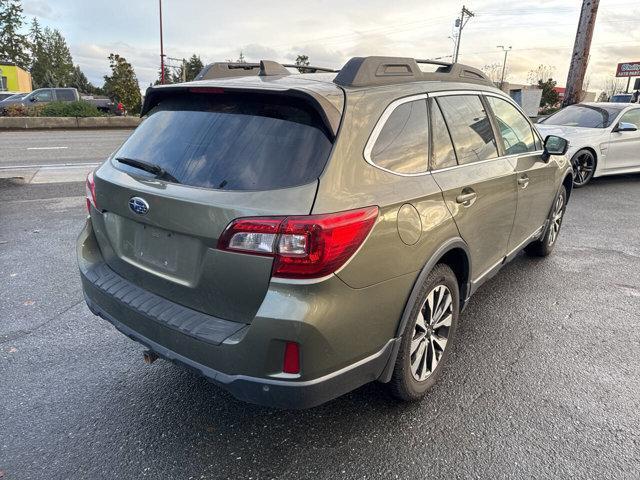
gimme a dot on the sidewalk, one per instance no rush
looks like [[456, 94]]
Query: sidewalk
[[34, 174]]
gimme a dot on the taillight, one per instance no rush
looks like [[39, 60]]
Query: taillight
[[90, 189], [308, 246]]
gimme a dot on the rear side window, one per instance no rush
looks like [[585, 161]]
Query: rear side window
[[65, 95], [517, 136], [232, 141], [470, 128], [403, 143], [632, 116], [442, 152]]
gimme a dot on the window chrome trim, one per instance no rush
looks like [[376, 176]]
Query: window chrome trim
[[505, 157], [382, 121]]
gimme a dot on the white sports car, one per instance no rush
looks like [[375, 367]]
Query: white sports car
[[604, 138]]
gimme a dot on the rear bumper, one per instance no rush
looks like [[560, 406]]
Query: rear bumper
[[270, 392], [244, 359]]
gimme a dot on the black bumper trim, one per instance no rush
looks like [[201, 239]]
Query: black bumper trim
[[272, 392], [196, 324]]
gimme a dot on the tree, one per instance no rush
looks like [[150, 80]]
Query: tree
[[79, 80], [14, 46], [168, 77], [302, 61], [193, 67], [540, 74], [240, 59], [613, 85], [603, 97], [60, 57], [122, 84], [494, 72], [550, 97], [52, 64]]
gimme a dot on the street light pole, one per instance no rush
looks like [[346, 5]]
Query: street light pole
[[504, 65], [161, 46]]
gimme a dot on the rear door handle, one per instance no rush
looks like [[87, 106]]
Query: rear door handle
[[467, 199], [523, 181]]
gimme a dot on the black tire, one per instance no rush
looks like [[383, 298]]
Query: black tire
[[584, 166], [404, 385], [544, 246]]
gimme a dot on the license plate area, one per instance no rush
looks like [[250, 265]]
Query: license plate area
[[156, 247]]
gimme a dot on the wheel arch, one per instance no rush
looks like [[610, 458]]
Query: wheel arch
[[454, 253]]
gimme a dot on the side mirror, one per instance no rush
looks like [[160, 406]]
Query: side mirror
[[554, 145], [625, 127], [33, 99]]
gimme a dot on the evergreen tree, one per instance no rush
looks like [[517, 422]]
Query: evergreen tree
[[14, 46], [193, 67], [51, 65], [122, 84], [168, 77], [302, 61], [79, 80]]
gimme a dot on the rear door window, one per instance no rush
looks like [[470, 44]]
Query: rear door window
[[442, 152], [65, 95], [402, 145], [515, 130], [470, 128], [232, 141]]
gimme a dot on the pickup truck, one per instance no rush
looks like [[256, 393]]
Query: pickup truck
[[46, 95]]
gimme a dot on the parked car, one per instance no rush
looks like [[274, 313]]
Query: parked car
[[47, 95], [604, 138], [621, 98], [10, 95], [295, 238]]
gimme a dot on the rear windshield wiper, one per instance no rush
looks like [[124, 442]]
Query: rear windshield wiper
[[157, 170]]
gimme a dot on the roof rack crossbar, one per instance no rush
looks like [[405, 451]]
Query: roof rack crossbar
[[376, 71], [263, 68]]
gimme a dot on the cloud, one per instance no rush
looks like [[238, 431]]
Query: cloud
[[39, 9]]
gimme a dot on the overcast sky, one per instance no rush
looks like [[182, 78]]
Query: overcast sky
[[331, 31]]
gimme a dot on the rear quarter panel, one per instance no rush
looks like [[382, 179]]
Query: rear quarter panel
[[350, 182]]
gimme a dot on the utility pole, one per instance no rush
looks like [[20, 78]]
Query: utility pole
[[161, 46], [460, 23], [504, 65], [581, 48]]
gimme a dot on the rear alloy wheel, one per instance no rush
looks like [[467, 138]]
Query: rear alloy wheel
[[544, 246], [428, 335], [430, 332], [584, 166]]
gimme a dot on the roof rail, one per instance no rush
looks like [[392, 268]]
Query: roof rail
[[374, 71], [264, 68]]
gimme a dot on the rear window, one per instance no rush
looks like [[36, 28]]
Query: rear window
[[586, 116], [232, 141]]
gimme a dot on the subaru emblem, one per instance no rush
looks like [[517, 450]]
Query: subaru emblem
[[138, 205]]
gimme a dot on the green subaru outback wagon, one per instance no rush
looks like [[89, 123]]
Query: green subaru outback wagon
[[294, 236]]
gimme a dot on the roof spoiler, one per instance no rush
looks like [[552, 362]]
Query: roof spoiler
[[265, 68], [375, 71], [330, 115]]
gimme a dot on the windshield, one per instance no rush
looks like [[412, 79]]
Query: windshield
[[586, 116], [231, 141]]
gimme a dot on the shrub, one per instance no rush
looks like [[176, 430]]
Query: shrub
[[22, 111], [70, 109]]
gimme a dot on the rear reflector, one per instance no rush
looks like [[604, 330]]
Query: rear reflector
[[291, 363], [90, 192], [308, 246]]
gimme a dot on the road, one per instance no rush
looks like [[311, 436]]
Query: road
[[543, 381], [58, 147]]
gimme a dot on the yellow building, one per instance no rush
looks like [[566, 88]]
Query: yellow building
[[14, 78]]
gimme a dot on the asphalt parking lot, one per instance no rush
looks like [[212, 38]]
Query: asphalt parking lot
[[544, 380]]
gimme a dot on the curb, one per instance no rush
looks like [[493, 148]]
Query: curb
[[66, 123]]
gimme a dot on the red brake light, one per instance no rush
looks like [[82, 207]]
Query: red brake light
[[90, 189], [291, 363], [308, 246]]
